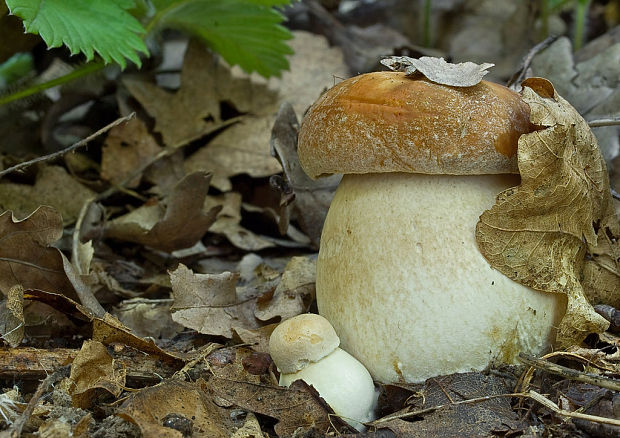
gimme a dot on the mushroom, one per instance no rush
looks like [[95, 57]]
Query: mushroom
[[399, 273], [305, 347]]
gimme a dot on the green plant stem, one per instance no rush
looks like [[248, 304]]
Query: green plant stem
[[84, 70], [581, 11]]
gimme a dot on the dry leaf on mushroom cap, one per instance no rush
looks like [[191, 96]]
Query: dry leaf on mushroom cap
[[540, 232], [464, 74]]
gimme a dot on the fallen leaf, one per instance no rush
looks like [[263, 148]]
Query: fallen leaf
[[294, 293], [228, 222], [199, 107], [148, 318], [250, 429], [238, 149], [244, 147], [589, 80], [109, 330], [486, 418], [92, 370], [26, 255], [150, 406], [181, 226], [257, 339], [127, 147], [539, 233], [208, 303], [294, 407], [12, 316], [53, 187], [464, 74]]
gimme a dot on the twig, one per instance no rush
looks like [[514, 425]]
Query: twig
[[71, 148], [408, 414], [16, 429], [603, 382], [530, 394], [597, 123], [555, 408], [519, 75]]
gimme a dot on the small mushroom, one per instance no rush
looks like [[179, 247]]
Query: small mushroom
[[305, 347], [399, 273]]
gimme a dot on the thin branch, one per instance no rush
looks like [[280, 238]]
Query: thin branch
[[530, 394], [555, 408], [597, 123], [71, 148], [520, 74], [16, 429], [409, 414], [569, 373]]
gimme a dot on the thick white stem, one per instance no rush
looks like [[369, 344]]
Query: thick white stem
[[401, 279]]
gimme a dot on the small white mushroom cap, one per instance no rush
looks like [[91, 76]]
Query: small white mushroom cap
[[306, 348], [300, 341]]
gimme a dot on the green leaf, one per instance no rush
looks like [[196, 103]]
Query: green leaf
[[86, 26], [248, 33], [14, 68]]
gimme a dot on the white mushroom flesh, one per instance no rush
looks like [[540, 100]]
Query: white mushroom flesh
[[343, 382], [400, 278]]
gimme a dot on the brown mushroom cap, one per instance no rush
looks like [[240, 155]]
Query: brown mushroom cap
[[388, 122]]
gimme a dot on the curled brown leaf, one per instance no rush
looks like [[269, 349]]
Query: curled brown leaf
[[541, 232]]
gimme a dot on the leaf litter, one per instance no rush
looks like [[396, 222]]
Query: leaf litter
[[226, 257]]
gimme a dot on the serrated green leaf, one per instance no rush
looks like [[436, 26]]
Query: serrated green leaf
[[245, 32], [86, 26], [15, 67]]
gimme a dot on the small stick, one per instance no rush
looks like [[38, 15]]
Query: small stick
[[49, 381], [597, 123], [530, 394], [71, 148], [603, 382], [519, 76], [555, 408], [409, 414]]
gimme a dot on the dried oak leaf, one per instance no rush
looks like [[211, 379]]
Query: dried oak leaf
[[296, 406], [127, 147], [293, 294], [12, 320], [93, 370], [540, 232], [26, 256], [196, 109], [181, 226], [444, 419], [152, 409], [208, 303], [53, 187]]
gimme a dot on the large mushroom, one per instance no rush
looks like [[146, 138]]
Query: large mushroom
[[399, 274]]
